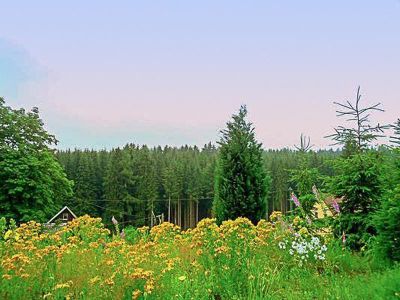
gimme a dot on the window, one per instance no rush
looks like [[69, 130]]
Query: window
[[65, 216]]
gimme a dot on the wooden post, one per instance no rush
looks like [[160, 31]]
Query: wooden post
[[169, 209], [197, 212]]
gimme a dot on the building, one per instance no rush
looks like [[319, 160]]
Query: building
[[326, 208], [64, 216]]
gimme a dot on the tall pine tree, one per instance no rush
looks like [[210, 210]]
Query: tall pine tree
[[241, 180]]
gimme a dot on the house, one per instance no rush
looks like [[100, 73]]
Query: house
[[64, 216], [326, 207]]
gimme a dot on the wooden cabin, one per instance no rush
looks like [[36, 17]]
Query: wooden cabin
[[64, 216]]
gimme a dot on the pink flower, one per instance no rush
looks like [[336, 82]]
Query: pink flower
[[336, 206], [343, 238], [295, 200], [114, 220]]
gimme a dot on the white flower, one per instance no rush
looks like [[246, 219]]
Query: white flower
[[315, 240], [291, 252], [282, 245], [324, 248]]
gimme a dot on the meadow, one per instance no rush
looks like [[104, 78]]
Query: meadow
[[284, 258]]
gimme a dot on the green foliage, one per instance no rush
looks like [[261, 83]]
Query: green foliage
[[33, 185], [387, 221], [387, 218], [241, 180], [358, 182], [303, 178], [395, 139]]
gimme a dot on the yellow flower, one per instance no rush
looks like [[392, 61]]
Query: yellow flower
[[182, 278], [7, 276], [8, 234], [275, 216], [109, 281], [303, 231], [63, 285], [136, 294], [94, 280], [296, 220]]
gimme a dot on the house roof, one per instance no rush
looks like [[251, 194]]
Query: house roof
[[329, 203], [330, 200], [59, 213]]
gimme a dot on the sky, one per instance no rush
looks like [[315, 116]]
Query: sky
[[105, 73]]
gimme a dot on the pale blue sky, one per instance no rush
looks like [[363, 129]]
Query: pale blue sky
[[172, 72]]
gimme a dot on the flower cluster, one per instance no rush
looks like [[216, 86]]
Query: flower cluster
[[304, 249], [91, 260]]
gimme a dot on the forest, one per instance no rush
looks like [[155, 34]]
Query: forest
[[133, 181], [228, 221]]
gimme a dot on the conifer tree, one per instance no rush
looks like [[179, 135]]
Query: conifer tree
[[395, 139], [357, 178], [241, 180]]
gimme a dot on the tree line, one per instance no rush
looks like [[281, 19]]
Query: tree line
[[137, 184], [133, 181]]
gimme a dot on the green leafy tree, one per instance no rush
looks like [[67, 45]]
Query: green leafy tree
[[241, 180], [33, 184]]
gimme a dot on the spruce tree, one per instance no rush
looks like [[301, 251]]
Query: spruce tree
[[357, 178], [395, 139], [241, 180]]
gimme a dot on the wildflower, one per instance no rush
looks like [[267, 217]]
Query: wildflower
[[303, 231], [343, 238], [295, 200], [149, 286], [335, 206], [296, 220], [136, 294], [282, 245], [315, 240], [182, 278], [122, 234], [114, 220], [275, 216], [8, 234], [63, 285], [7, 276], [315, 192], [94, 280]]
